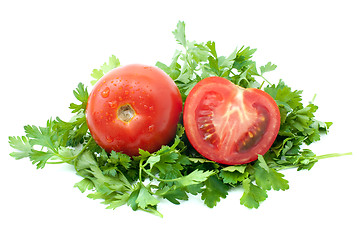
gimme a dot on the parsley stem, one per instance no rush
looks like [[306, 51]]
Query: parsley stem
[[312, 101], [324, 156], [265, 80], [160, 179], [68, 159], [55, 162], [140, 171], [84, 148], [148, 172], [79, 154], [330, 155]]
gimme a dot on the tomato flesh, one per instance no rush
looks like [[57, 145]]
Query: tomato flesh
[[229, 124], [134, 106]]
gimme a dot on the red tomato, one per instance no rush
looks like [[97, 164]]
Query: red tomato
[[229, 124], [132, 107]]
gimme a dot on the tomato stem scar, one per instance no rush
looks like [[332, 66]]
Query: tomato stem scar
[[125, 113]]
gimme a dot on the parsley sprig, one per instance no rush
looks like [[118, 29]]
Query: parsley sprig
[[177, 170]]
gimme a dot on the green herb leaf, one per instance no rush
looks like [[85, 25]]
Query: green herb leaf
[[268, 178], [84, 184], [172, 194], [145, 198], [253, 195], [268, 68], [41, 136], [179, 34], [214, 190], [195, 177], [142, 198], [40, 158], [234, 174], [113, 62], [22, 145], [153, 160], [82, 95], [119, 158]]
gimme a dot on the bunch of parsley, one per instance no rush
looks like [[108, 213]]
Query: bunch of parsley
[[177, 170]]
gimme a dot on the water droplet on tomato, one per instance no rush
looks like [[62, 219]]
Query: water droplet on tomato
[[109, 139], [112, 104], [151, 108], [105, 93], [150, 128], [145, 106]]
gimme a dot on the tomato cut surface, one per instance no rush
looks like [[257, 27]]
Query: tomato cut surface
[[229, 124], [134, 106]]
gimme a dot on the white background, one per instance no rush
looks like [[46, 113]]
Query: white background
[[47, 47]]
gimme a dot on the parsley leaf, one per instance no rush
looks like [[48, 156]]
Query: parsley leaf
[[267, 68], [253, 195], [82, 95], [195, 177], [285, 98], [85, 184], [22, 145], [41, 136], [119, 158], [142, 198], [113, 62], [268, 178], [172, 194], [145, 198], [214, 190], [234, 174], [179, 33]]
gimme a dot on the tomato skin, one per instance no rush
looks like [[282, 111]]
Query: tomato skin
[[150, 105], [229, 124]]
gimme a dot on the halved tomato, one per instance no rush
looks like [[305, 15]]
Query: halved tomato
[[230, 124]]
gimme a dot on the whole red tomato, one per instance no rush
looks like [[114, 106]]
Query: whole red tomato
[[229, 124], [134, 106]]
